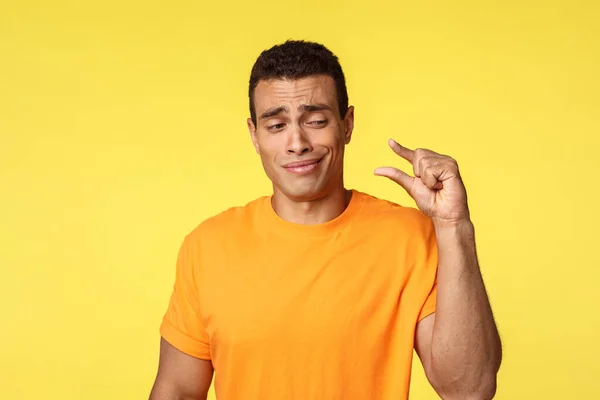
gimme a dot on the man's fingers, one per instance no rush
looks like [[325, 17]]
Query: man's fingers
[[430, 176], [402, 151], [427, 166], [400, 177]]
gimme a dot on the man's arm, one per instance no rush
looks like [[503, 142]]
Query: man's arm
[[459, 345], [181, 377]]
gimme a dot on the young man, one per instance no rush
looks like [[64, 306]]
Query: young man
[[320, 292]]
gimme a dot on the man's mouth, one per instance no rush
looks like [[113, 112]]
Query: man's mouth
[[302, 167]]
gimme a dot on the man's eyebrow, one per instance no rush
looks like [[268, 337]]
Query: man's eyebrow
[[314, 107], [304, 107], [273, 112]]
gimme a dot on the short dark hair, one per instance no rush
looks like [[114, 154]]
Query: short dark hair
[[296, 59]]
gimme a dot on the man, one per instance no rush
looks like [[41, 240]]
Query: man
[[320, 292]]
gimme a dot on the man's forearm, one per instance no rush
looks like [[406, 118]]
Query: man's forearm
[[465, 350]]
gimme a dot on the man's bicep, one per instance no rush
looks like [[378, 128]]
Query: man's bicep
[[181, 376], [423, 341], [424, 337], [424, 329]]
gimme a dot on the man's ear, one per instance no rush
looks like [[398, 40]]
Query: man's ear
[[348, 124], [252, 130]]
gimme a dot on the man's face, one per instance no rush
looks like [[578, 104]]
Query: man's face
[[300, 135]]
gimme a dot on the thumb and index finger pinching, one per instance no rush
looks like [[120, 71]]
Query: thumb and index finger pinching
[[396, 175]]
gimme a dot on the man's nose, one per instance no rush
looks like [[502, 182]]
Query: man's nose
[[298, 142]]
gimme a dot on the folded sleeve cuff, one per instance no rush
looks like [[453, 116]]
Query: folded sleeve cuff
[[429, 306], [183, 342]]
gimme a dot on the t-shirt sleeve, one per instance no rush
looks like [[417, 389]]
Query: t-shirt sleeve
[[182, 325], [429, 306], [430, 264]]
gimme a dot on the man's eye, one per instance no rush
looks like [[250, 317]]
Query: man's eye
[[275, 127], [318, 123]]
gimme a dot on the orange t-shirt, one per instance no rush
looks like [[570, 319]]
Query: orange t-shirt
[[290, 311]]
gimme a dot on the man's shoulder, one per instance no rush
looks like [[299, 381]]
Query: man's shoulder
[[390, 220], [229, 220]]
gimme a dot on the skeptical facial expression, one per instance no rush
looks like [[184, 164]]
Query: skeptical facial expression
[[300, 135]]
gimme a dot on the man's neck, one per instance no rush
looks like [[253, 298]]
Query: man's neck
[[312, 212]]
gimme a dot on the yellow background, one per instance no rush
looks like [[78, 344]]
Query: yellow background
[[122, 126]]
